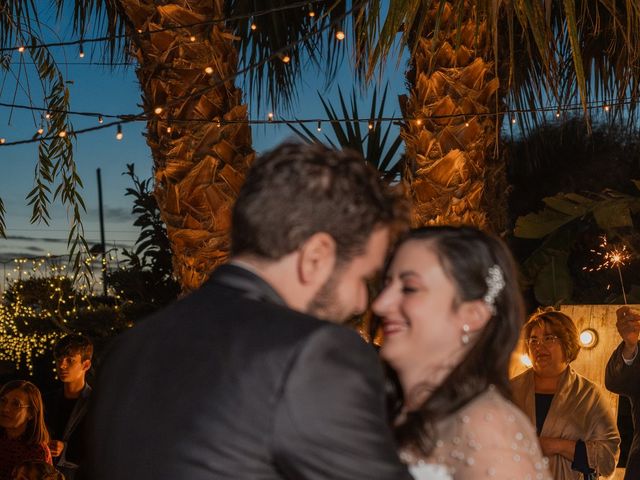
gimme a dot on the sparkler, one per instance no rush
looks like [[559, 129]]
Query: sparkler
[[612, 257]]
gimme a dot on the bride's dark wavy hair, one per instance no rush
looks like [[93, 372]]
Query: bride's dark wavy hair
[[465, 254]]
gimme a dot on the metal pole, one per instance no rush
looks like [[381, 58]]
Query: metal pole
[[104, 248]]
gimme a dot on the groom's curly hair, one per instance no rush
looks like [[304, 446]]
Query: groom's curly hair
[[297, 190]]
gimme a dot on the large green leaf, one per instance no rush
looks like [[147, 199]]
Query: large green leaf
[[553, 284]]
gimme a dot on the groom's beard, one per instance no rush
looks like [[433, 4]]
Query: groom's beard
[[326, 304]]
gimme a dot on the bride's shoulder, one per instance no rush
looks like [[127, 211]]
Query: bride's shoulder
[[496, 421]]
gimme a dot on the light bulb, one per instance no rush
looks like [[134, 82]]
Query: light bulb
[[419, 122], [21, 49], [208, 70], [100, 119], [286, 59], [157, 110], [47, 116], [370, 126], [40, 131], [254, 26], [606, 108], [81, 53], [270, 116], [319, 126], [340, 35], [513, 119], [192, 38], [62, 134], [119, 133], [168, 129], [2, 140], [312, 14]]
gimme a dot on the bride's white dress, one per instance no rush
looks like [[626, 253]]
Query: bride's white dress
[[429, 471], [490, 438]]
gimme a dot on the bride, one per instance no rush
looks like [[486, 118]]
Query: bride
[[451, 315]]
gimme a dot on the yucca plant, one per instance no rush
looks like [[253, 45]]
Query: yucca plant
[[370, 136]]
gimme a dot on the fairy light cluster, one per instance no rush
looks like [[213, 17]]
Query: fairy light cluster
[[28, 328]]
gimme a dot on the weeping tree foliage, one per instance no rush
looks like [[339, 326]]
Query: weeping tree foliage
[[55, 174], [472, 59], [188, 54]]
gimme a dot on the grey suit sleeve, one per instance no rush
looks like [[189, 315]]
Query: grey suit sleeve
[[621, 378], [330, 421]]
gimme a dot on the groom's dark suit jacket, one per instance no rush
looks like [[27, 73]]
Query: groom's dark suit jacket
[[229, 383]]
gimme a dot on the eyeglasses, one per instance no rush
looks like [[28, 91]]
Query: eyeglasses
[[547, 341], [12, 404]]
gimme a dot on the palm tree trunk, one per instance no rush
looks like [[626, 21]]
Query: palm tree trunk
[[199, 164], [453, 169]]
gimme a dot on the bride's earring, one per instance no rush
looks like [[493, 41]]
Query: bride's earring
[[465, 334]]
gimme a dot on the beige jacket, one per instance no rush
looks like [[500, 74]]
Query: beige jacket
[[579, 411]]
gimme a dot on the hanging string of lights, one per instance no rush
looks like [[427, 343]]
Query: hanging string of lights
[[279, 54], [215, 21], [605, 106]]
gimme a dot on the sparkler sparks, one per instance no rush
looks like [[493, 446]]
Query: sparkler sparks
[[612, 257]]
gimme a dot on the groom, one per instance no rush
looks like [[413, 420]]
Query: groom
[[250, 376]]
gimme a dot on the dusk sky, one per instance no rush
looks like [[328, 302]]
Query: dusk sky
[[97, 88]]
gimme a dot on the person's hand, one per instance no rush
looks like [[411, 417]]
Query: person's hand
[[628, 325], [557, 446], [547, 445], [56, 447]]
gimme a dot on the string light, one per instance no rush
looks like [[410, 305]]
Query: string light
[[124, 118], [47, 115], [81, 53], [214, 21], [40, 131], [192, 38], [319, 128], [370, 125], [208, 70], [340, 35], [62, 133], [119, 133], [606, 108], [286, 59], [254, 26], [419, 122], [270, 116], [157, 110], [169, 129], [3, 141]]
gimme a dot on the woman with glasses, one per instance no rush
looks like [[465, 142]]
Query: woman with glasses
[[572, 417], [23, 434]]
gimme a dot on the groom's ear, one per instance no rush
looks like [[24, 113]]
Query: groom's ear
[[475, 313], [316, 259]]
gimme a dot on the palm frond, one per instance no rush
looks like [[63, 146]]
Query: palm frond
[[546, 52], [276, 79]]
